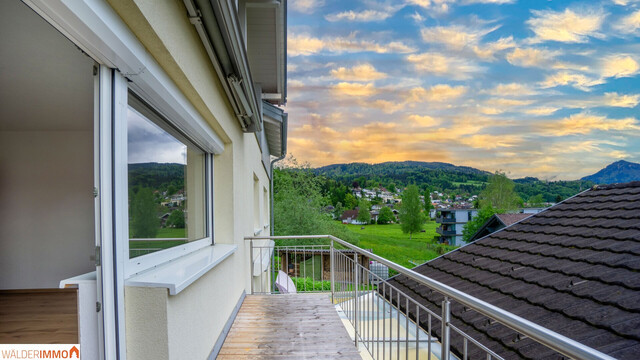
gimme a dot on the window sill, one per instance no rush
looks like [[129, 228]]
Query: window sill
[[178, 274]]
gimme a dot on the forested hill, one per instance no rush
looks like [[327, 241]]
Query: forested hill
[[438, 176], [617, 172], [444, 177], [157, 176], [392, 167]]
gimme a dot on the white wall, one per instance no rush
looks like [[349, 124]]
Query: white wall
[[46, 153], [46, 207]]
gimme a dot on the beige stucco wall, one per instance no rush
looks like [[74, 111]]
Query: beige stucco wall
[[187, 325]]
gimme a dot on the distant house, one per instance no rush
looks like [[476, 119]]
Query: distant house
[[350, 217], [452, 222], [572, 268], [497, 222]]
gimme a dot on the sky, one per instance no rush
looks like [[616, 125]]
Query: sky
[[147, 142], [549, 89]]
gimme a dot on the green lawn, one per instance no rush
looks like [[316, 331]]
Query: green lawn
[[171, 233], [389, 242]]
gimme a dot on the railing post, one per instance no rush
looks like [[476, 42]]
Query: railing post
[[355, 296], [446, 318], [332, 270], [251, 260]]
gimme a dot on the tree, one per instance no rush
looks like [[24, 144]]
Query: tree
[[298, 204], [338, 210], [411, 217], [558, 198], [427, 202], [536, 201], [499, 193], [364, 215], [144, 218], [350, 202], [176, 219], [385, 216], [471, 227]]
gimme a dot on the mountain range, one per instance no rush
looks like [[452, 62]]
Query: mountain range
[[618, 172]]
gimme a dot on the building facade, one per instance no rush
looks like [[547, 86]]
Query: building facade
[[111, 108], [452, 222]]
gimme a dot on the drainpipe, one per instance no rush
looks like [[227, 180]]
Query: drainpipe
[[285, 122]]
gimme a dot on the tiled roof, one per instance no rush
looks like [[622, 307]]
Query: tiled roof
[[573, 268], [510, 219]]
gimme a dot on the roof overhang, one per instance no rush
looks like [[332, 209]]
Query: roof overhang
[[275, 127], [223, 35], [266, 24]]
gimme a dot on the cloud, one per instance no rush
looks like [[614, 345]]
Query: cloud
[[417, 17], [627, 101], [510, 89], [362, 72], [530, 57], [424, 120], [584, 123], [458, 38], [486, 141], [624, 2], [454, 37], [620, 66], [565, 78], [305, 44], [362, 16], [354, 89], [488, 50], [629, 24], [495, 106], [306, 6], [541, 111], [436, 93], [441, 65], [568, 26]]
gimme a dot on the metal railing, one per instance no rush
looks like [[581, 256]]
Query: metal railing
[[387, 321]]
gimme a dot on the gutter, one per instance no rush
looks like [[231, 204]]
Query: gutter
[[285, 123], [217, 25]]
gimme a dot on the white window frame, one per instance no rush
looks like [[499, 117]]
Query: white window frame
[[139, 264]]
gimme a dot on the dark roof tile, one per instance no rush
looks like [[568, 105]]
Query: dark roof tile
[[572, 268]]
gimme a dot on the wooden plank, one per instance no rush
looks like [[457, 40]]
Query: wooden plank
[[40, 316], [287, 327]]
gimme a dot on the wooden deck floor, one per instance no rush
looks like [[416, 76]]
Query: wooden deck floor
[[300, 326], [39, 316]]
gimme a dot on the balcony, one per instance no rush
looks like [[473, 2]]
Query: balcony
[[445, 220], [301, 297], [445, 232]]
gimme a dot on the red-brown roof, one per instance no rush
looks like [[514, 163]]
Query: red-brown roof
[[510, 219]]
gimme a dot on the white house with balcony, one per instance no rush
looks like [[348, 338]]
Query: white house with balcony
[[104, 105]]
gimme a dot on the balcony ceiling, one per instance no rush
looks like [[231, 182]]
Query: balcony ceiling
[[265, 26]]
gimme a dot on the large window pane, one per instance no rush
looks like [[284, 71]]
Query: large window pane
[[167, 200]]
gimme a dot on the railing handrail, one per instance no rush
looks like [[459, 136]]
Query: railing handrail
[[547, 337]]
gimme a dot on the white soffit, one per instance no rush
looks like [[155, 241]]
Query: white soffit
[[265, 47]]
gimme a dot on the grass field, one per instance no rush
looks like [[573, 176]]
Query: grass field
[[389, 242]]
